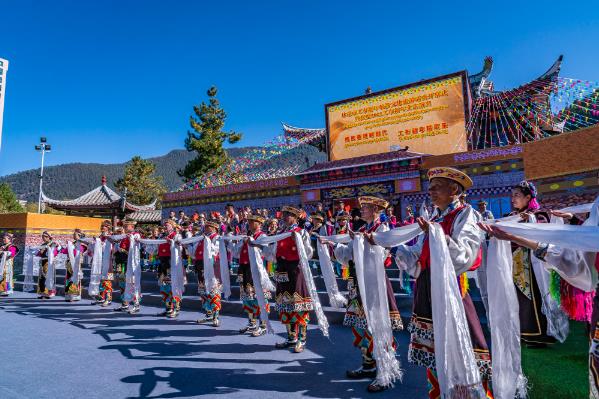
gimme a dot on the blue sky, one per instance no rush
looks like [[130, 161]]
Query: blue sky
[[106, 80]]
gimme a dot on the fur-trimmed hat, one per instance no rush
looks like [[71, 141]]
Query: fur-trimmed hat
[[256, 218], [370, 200], [344, 216], [452, 174], [172, 223], [212, 223], [292, 210], [317, 216]]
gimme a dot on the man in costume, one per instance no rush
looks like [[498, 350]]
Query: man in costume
[[318, 228], [211, 296], [484, 212], [172, 304], [8, 251], [463, 240], [355, 317], [341, 227], [247, 290], [47, 289], [293, 301]]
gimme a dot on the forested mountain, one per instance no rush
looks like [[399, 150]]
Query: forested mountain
[[71, 180]]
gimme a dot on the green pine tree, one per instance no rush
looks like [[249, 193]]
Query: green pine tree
[[142, 185], [8, 200], [207, 138]]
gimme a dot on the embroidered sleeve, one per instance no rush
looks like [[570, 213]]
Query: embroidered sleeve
[[407, 257], [464, 241], [576, 267], [307, 245]]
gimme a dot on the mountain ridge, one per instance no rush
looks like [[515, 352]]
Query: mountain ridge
[[71, 180]]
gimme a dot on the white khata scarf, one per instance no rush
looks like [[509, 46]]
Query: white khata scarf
[[370, 273], [51, 274], [30, 266], [96, 268], [261, 283], [457, 371], [260, 278], [336, 299], [210, 279], [323, 323], [3, 259], [133, 275], [176, 262], [177, 275], [508, 379], [106, 258], [225, 273], [75, 260]]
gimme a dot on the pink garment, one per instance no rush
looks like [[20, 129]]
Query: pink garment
[[13, 251]]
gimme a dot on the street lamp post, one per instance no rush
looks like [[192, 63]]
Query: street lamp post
[[43, 147]]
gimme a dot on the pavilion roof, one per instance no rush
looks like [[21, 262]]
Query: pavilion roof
[[153, 216], [100, 198]]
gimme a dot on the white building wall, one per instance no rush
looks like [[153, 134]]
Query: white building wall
[[3, 70]]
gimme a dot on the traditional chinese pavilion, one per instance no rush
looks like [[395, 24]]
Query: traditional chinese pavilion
[[101, 202]]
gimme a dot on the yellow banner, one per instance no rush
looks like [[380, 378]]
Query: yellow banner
[[428, 118]]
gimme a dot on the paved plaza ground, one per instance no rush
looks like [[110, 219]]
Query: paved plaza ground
[[65, 350]]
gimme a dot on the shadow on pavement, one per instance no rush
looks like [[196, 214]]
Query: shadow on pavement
[[220, 366]]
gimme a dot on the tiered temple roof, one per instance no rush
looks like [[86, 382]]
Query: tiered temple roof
[[313, 137], [100, 201], [515, 116]]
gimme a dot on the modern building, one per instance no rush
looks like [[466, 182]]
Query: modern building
[[3, 70]]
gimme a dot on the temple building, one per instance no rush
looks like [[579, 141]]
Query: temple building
[[100, 202], [546, 130]]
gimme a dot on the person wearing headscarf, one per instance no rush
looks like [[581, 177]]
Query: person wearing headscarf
[[8, 252], [464, 240], [49, 246], [533, 322]]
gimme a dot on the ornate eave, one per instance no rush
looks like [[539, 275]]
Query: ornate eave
[[102, 198], [309, 136]]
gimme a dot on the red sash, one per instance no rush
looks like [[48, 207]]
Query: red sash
[[447, 226]]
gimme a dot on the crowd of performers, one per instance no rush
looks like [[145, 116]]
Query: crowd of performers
[[528, 263]]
